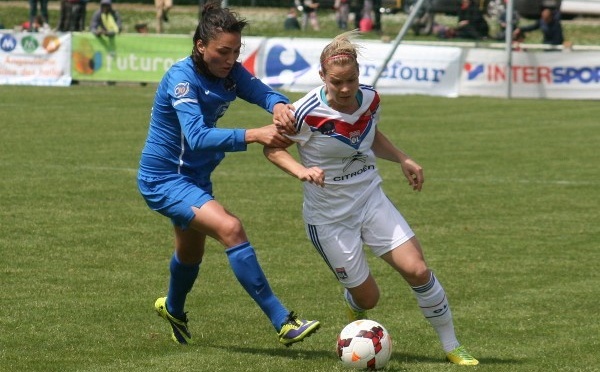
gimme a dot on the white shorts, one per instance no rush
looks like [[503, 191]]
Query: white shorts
[[379, 225]]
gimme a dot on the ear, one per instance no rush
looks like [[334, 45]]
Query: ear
[[322, 75], [200, 46]]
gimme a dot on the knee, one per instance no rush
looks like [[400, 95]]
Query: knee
[[231, 231], [367, 299], [370, 303], [420, 275]]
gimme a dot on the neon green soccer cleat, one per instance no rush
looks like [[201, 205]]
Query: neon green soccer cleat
[[353, 314], [180, 334], [461, 357], [295, 330]]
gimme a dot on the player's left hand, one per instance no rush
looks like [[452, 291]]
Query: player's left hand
[[284, 119], [314, 175], [413, 173]]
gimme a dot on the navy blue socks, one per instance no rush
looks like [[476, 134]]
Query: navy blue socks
[[247, 270]]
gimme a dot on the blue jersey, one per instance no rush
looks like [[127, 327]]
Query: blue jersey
[[183, 137]]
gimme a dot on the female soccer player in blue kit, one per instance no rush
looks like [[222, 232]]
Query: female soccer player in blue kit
[[344, 205], [182, 149]]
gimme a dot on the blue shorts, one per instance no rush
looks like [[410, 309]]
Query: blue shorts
[[174, 196]]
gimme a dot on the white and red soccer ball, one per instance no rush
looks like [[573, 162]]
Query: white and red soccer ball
[[364, 344]]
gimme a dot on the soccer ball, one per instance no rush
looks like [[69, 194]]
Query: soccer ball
[[364, 344]]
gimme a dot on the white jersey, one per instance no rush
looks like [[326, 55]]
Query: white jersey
[[340, 144]]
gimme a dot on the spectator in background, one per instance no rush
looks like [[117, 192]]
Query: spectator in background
[[106, 21], [377, 15], [356, 8], [162, 13], [471, 23], [141, 28], [550, 25], [72, 15], [82, 14], [291, 20], [309, 13], [502, 23], [342, 13], [33, 11]]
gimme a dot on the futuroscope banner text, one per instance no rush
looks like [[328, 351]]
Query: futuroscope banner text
[[126, 57], [35, 59]]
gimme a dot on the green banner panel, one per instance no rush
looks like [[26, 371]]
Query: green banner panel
[[126, 57]]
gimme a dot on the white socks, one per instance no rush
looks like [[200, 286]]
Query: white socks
[[432, 300]]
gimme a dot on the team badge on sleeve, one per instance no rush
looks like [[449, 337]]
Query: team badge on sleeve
[[340, 272], [181, 89]]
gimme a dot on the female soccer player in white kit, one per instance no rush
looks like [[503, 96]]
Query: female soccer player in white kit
[[344, 205]]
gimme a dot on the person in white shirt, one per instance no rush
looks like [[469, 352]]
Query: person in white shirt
[[344, 206]]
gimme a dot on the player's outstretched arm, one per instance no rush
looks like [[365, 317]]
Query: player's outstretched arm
[[267, 136], [285, 161]]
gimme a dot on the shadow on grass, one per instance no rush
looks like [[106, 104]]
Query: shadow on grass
[[398, 357]]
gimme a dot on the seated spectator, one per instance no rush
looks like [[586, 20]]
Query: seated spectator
[[291, 20], [141, 28], [471, 23], [549, 24], [105, 21]]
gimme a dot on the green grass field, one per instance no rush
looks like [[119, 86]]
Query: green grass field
[[508, 220]]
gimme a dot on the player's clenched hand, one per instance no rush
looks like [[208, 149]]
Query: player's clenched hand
[[267, 136], [314, 175], [413, 173], [283, 118]]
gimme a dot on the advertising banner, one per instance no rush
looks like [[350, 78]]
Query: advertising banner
[[564, 75], [127, 57], [293, 64], [35, 59]]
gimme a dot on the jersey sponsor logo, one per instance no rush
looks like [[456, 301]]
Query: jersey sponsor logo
[[358, 156], [347, 176], [327, 128], [340, 272], [181, 89]]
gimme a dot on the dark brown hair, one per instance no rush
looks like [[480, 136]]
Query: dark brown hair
[[213, 21]]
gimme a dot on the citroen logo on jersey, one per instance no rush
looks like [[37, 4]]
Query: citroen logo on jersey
[[181, 89], [349, 160]]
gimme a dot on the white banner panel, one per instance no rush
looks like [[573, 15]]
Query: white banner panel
[[293, 64], [564, 75], [35, 59]]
